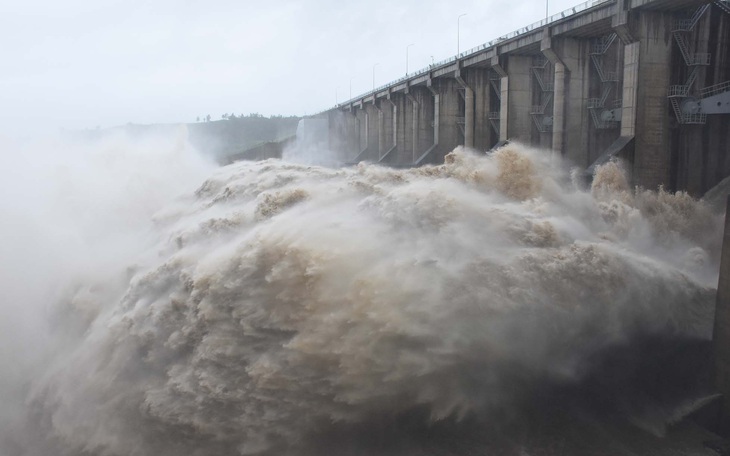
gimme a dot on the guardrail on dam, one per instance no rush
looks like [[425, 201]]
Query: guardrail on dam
[[645, 80]]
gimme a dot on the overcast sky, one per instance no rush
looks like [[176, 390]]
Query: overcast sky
[[80, 64]]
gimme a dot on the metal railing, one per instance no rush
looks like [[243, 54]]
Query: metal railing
[[541, 126], [686, 25], [700, 59], [497, 86], [605, 94], [676, 108], [594, 103], [521, 31], [697, 119], [692, 78], [545, 84], [723, 5], [605, 76], [678, 91], [715, 89], [601, 45]]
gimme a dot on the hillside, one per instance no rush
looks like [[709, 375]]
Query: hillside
[[219, 139], [223, 138]]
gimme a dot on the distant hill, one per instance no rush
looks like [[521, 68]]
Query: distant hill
[[219, 139], [224, 138]]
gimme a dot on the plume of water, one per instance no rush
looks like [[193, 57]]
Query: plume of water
[[279, 300]]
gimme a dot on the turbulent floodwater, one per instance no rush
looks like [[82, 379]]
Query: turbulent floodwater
[[293, 309]]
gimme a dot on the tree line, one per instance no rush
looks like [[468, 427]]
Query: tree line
[[232, 116]]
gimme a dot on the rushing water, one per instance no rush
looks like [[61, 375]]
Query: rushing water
[[293, 309]]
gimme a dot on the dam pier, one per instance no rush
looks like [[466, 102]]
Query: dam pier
[[644, 80]]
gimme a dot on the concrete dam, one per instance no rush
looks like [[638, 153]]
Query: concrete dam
[[644, 80]]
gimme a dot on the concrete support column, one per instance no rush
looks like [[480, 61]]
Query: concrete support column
[[652, 155], [394, 118], [519, 98], [484, 137], [372, 132], [413, 133], [403, 131], [429, 155], [449, 132], [468, 111], [424, 133], [503, 98], [436, 123], [559, 107], [620, 24], [630, 89], [390, 127], [362, 134], [571, 120], [381, 131]]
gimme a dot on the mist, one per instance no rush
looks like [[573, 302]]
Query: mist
[[156, 304], [77, 214]]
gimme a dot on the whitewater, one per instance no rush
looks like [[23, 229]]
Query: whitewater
[[157, 304]]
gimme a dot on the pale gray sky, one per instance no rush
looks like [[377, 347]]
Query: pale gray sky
[[82, 63]]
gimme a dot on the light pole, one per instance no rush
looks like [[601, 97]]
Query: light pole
[[407, 57], [374, 76], [458, 26], [546, 11]]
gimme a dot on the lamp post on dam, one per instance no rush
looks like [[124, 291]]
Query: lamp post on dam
[[458, 32], [407, 47]]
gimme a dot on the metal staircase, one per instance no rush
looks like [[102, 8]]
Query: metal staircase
[[715, 89], [541, 71], [604, 117], [537, 71], [723, 5], [537, 112], [496, 82], [686, 108], [598, 49]]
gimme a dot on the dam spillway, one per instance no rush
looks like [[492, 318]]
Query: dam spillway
[[644, 80]]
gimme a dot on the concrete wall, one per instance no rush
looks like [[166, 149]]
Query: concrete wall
[[478, 81], [651, 156], [424, 134], [572, 75], [402, 130], [699, 152], [519, 98], [449, 110], [371, 123], [388, 124], [364, 145], [660, 149], [273, 149]]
